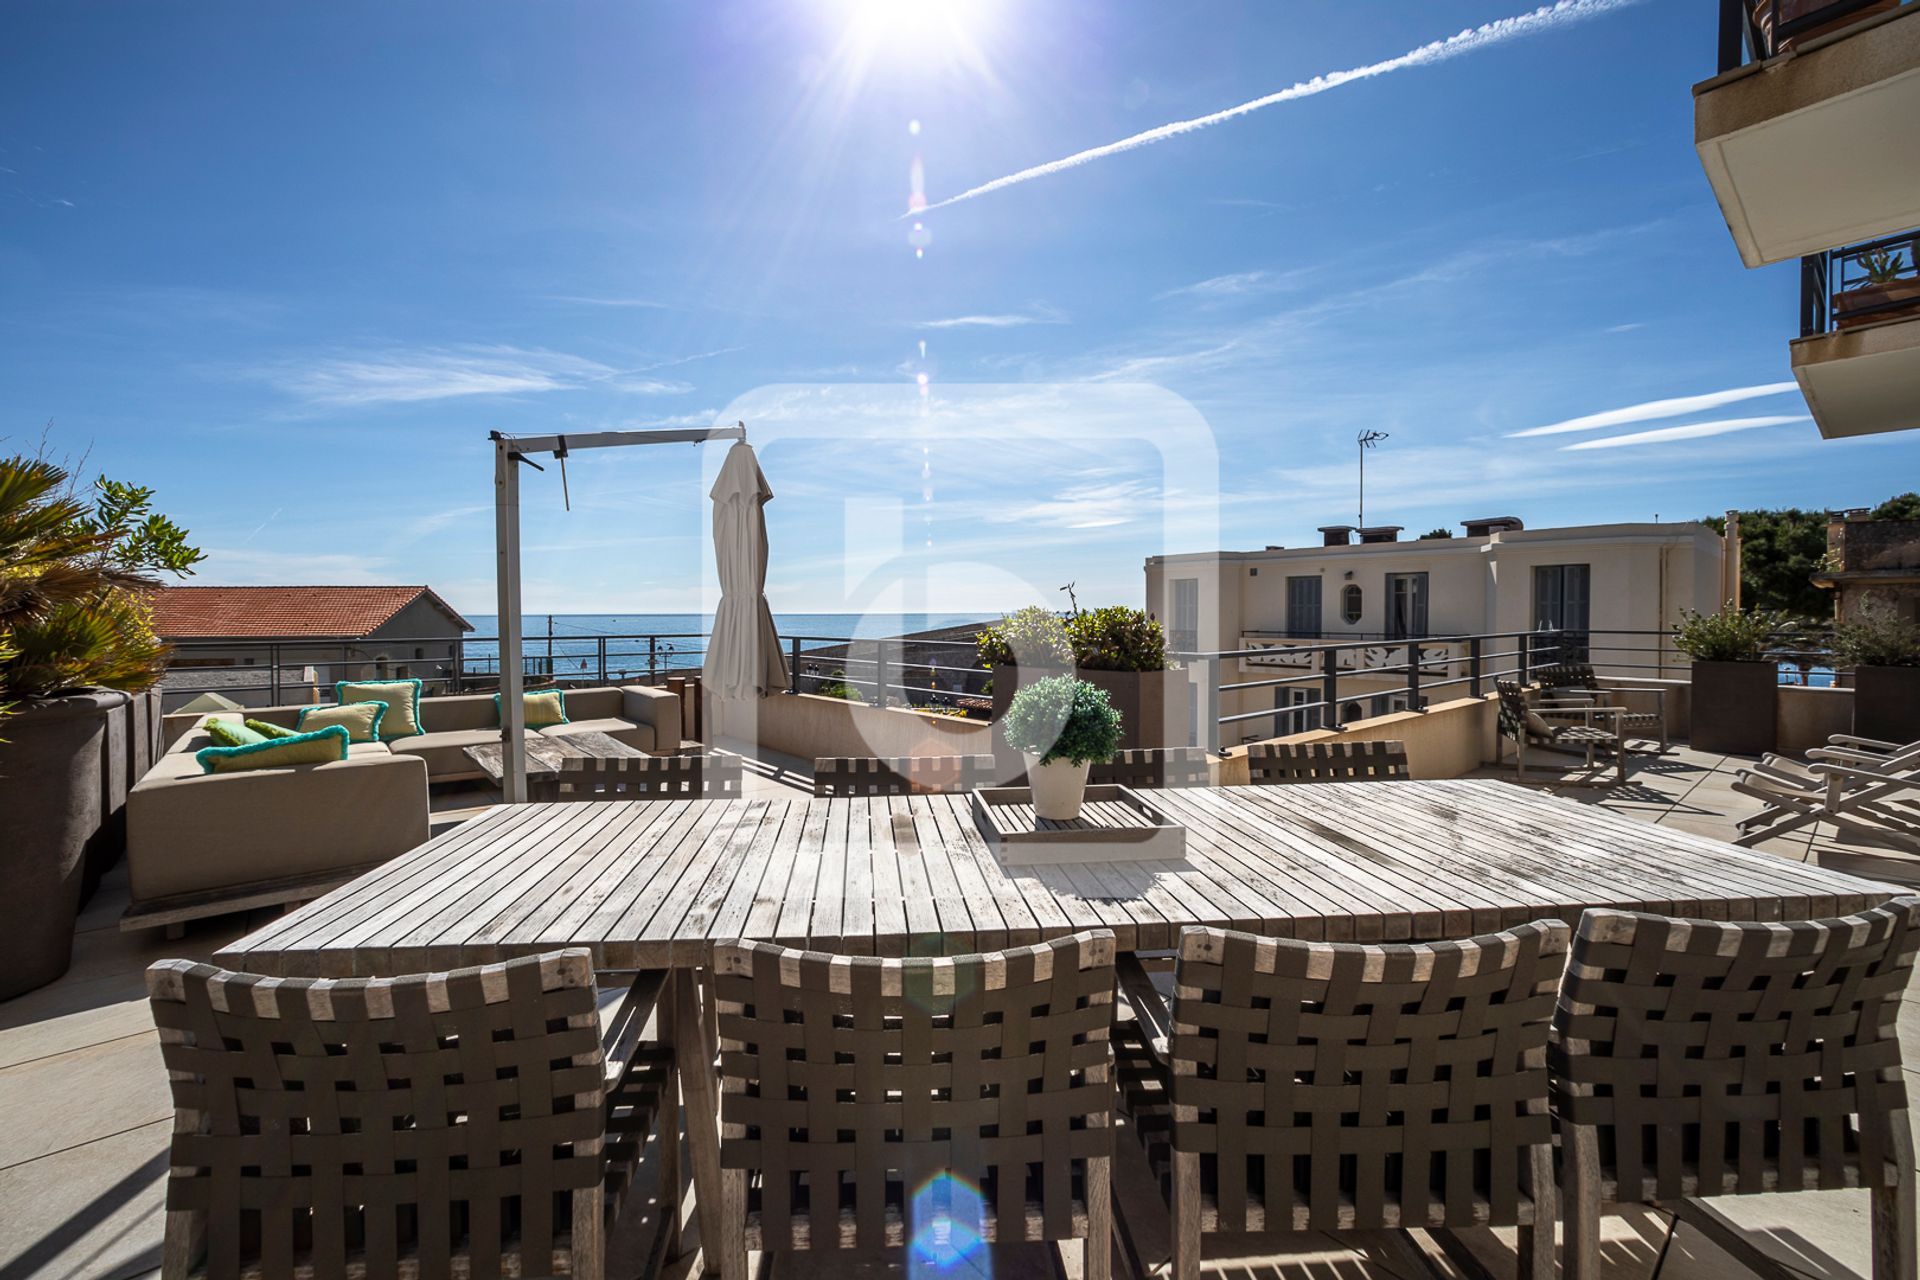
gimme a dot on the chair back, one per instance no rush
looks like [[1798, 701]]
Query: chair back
[[868, 1096], [1154, 767], [1517, 719], [1336, 1086], [1567, 675], [1714, 1057], [447, 1122], [708, 777], [1270, 763], [900, 775]]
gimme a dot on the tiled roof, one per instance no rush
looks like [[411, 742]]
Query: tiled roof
[[200, 613]]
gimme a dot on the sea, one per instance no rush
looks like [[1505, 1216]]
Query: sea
[[573, 640]]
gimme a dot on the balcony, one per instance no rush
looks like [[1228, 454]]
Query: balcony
[[1807, 132], [1858, 355]]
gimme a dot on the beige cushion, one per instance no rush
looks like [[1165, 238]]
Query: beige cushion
[[634, 735], [445, 753], [401, 696], [542, 709], [593, 704], [363, 720], [459, 711]]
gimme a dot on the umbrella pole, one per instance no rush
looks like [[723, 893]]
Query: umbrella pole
[[506, 534]]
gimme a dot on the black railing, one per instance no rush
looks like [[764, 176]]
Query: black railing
[[1755, 30], [1860, 284]]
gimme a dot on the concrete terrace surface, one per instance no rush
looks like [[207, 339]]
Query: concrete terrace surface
[[85, 1112]]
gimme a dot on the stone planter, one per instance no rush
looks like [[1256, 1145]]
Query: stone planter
[[1734, 709], [1886, 703], [1155, 706], [1059, 787], [53, 770]]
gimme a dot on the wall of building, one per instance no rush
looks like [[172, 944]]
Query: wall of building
[[808, 726]]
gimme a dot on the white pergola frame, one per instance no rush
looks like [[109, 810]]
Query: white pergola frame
[[508, 453]]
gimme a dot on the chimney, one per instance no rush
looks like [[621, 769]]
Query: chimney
[[1336, 535], [1492, 524], [1381, 533]]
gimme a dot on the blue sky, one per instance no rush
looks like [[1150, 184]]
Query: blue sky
[[289, 264]]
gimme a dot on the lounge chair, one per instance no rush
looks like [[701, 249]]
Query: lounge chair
[[1280, 763], [1574, 685], [871, 1102], [708, 777], [1154, 768], [1872, 798], [1313, 1086], [1699, 1058], [1587, 730], [473, 1122], [900, 775]]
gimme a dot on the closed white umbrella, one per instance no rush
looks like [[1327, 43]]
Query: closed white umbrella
[[743, 657]]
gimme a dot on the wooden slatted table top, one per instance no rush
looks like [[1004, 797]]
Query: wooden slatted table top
[[543, 755], [648, 884]]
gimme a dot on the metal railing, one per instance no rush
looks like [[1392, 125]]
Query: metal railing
[[1755, 30], [1860, 283]]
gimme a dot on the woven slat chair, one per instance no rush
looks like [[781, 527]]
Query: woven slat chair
[[922, 1102], [1154, 767], [1310, 1086], [709, 777], [1575, 685], [1705, 1058], [1276, 763], [1529, 726], [900, 775], [439, 1125]]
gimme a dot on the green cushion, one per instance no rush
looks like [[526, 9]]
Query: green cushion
[[401, 696], [318, 747], [225, 733], [361, 719], [267, 729], [547, 707]]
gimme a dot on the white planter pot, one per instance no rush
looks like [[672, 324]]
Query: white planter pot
[[1058, 788]]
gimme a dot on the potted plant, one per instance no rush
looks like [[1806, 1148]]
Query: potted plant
[[1884, 651], [76, 645], [1892, 290], [1734, 683], [1062, 726]]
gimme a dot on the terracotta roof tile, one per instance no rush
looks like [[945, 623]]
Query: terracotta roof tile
[[195, 613]]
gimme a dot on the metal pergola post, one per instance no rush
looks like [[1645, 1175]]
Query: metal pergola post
[[508, 453]]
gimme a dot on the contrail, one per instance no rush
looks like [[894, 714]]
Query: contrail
[[1472, 40]]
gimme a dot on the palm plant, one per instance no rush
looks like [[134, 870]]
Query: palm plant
[[74, 577]]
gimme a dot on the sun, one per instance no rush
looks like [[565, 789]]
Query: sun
[[917, 33]]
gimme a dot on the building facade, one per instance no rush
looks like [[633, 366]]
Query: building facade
[[1872, 563], [1621, 587]]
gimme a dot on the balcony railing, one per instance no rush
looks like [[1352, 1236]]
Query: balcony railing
[[1860, 284], [1755, 30]]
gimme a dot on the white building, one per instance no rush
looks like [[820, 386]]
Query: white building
[[1599, 580]]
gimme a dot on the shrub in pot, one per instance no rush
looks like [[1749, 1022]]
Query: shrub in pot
[[1124, 651], [1061, 725], [1890, 292], [1735, 682], [1883, 649], [75, 637], [1030, 637]]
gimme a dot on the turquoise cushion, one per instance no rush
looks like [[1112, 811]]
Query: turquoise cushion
[[318, 747], [267, 729], [402, 719], [225, 733], [361, 719]]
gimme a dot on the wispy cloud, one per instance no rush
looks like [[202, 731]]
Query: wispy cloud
[[238, 566], [1471, 40], [1654, 409], [1625, 328], [412, 376], [1237, 284], [1000, 320], [1690, 431]]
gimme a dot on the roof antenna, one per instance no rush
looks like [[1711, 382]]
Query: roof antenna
[[561, 453]]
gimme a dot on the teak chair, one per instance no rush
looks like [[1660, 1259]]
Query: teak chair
[[1528, 726], [1572, 686], [1696, 1058], [900, 775], [439, 1125], [1313, 1086], [880, 1102], [1272, 763], [1154, 768], [709, 777]]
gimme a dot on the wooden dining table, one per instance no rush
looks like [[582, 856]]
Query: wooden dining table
[[652, 884]]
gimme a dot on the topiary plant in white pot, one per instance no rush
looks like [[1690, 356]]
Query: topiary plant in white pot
[[1061, 725]]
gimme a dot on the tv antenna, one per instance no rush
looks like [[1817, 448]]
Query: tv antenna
[[1367, 440]]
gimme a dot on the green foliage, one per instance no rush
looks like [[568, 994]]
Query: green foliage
[[74, 577], [1904, 507], [1032, 636], [1061, 718], [1876, 637], [1884, 267], [1728, 636], [1432, 534], [838, 687], [1779, 553], [1117, 638]]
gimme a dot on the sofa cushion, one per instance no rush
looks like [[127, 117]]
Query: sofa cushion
[[225, 733], [401, 696], [539, 710], [268, 729], [634, 735], [318, 747], [458, 711], [445, 752], [593, 704], [360, 719]]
